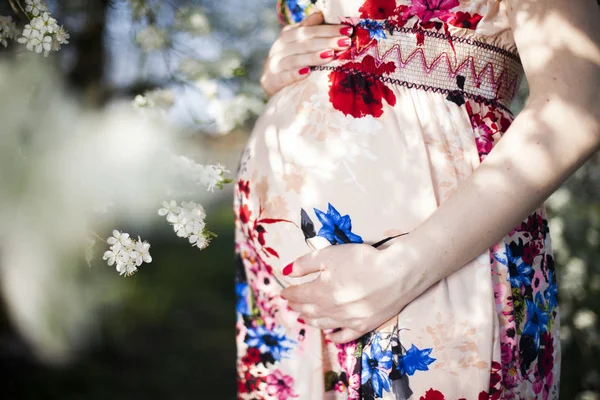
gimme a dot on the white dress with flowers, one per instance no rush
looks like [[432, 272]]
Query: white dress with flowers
[[366, 148]]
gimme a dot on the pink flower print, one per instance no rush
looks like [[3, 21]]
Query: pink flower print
[[353, 387], [511, 378], [507, 353], [427, 9], [340, 387], [280, 385], [500, 293]]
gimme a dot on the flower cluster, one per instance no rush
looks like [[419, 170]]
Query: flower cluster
[[152, 38], [211, 176], [42, 33], [231, 113], [8, 30], [187, 221], [192, 20], [127, 253]]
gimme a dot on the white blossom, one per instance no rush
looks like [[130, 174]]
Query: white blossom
[[8, 30], [126, 253], [208, 87], [139, 9], [228, 64], [43, 34], [161, 99], [169, 209], [192, 20], [152, 38], [231, 113], [187, 221], [193, 68], [45, 23], [60, 37], [210, 176], [35, 7]]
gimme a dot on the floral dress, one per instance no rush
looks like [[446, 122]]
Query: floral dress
[[366, 148]]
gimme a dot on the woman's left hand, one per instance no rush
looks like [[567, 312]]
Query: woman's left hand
[[358, 289]]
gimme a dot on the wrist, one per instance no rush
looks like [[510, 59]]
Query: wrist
[[411, 256]]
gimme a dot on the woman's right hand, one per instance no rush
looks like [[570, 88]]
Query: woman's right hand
[[300, 46]]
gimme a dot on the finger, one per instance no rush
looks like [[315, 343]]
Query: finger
[[307, 264], [272, 83], [304, 33], [320, 323], [316, 18], [298, 293], [296, 61], [308, 310], [282, 50], [344, 336]]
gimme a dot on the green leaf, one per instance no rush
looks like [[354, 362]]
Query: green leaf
[[331, 378]]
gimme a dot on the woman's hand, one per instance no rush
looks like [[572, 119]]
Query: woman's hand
[[299, 47], [358, 288]]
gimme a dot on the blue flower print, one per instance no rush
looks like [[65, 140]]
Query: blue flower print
[[551, 292], [537, 319], [336, 228], [415, 360], [375, 29], [520, 273], [296, 10], [241, 293], [375, 364], [274, 342]]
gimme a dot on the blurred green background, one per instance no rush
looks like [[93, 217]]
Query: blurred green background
[[168, 332]]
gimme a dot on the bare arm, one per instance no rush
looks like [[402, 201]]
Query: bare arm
[[558, 130]]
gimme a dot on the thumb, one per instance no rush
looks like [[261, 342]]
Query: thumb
[[307, 264], [313, 19]]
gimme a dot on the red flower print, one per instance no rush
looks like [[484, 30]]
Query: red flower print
[[377, 9], [463, 20], [280, 386], [547, 356], [244, 213], [433, 395], [400, 16], [427, 9], [261, 234], [357, 91], [244, 187], [252, 356], [248, 383], [361, 39]]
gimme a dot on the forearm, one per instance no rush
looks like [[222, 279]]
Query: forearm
[[546, 143]]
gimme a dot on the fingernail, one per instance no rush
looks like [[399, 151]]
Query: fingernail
[[301, 321], [347, 30], [304, 71], [344, 42], [326, 54], [288, 269]]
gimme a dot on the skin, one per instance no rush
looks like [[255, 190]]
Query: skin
[[557, 131], [298, 46]]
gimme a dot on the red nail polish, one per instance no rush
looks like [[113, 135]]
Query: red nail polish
[[288, 269], [344, 42], [326, 54], [304, 71], [347, 30], [301, 321]]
